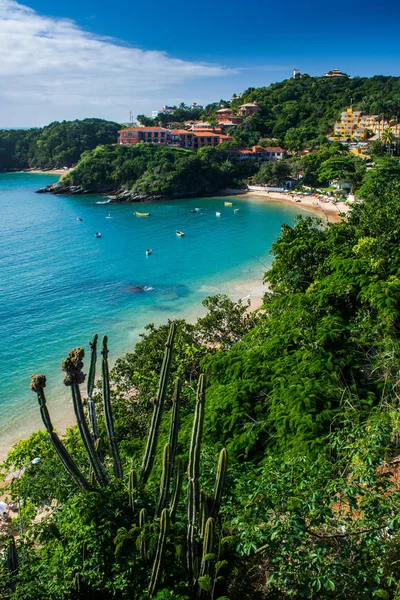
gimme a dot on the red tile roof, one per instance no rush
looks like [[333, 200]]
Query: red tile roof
[[180, 132], [143, 129]]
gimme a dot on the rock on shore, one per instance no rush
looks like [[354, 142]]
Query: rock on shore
[[115, 196]]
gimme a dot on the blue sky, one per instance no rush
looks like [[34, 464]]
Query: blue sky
[[94, 58]]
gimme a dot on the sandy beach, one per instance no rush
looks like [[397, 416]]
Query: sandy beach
[[251, 289], [331, 212], [47, 172]]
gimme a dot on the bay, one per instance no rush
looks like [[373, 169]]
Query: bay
[[60, 284]]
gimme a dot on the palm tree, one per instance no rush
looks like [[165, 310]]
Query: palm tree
[[388, 138]]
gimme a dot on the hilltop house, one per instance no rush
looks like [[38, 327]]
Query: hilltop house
[[258, 154], [335, 73], [359, 126], [250, 108], [180, 138]]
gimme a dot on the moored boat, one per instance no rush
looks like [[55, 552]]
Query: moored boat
[[235, 210], [227, 203], [138, 214], [149, 251], [217, 214], [179, 233], [79, 219], [98, 234], [193, 210], [108, 216]]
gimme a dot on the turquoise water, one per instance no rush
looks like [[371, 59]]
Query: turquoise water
[[60, 284]]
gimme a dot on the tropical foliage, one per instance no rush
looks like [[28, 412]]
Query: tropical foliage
[[55, 146]]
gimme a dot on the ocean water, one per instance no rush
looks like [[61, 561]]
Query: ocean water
[[60, 285]]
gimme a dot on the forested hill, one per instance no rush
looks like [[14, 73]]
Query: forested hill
[[54, 146], [300, 111]]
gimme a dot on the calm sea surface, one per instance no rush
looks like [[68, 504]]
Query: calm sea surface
[[59, 284]]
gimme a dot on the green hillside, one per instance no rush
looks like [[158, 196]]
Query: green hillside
[[55, 146]]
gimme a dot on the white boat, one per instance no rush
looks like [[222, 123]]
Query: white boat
[[197, 209], [108, 216], [235, 210], [98, 234], [217, 214], [179, 233], [149, 251], [79, 219], [104, 201]]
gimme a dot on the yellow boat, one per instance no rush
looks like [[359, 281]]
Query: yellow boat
[[227, 203], [142, 214]]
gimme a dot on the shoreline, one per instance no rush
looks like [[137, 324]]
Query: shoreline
[[331, 212], [252, 290]]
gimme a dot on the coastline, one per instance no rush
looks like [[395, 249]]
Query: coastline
[[331, 212], [252, 290]]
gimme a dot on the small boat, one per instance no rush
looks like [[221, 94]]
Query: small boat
[[227, 203], [149, 251], [179, 233], [193, 210], [197, 209], [138, 214], [217, 214], [79, 219], [235, 210], [108, 216], [98, 234]]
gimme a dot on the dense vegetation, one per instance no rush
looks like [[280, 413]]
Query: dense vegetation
[[304, 396], [155, 170], [302, 111], [55, 146]]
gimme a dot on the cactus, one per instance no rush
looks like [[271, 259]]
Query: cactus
[[90, 386], [161, 543], [174, 427], [143, 542], [193, 504], [12, 557], [165, 480], [219, 482], [77, 584], [178, 478], [38, 383], [149, 455], [203, 516], [109, 422], [207, 546], [72, 366], [132, 488]]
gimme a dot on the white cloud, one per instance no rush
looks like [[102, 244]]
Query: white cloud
[[53, 69]]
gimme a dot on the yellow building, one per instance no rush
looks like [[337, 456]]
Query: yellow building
[[357, 125]]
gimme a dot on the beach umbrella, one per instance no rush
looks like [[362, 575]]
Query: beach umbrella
[[3, 507]]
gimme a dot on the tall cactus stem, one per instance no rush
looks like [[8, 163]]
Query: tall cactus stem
[[203, 516], [95, 462], [207, 546], [151, 447], [193, 505], [219, 482], [108, 418], [38, 383], [161, 544], [174, 427], [132, 488], [143, 541], [12, 557], [177, 487], [165, 480], [90, 386]]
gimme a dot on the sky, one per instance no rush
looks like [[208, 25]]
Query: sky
[[96, 58]]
